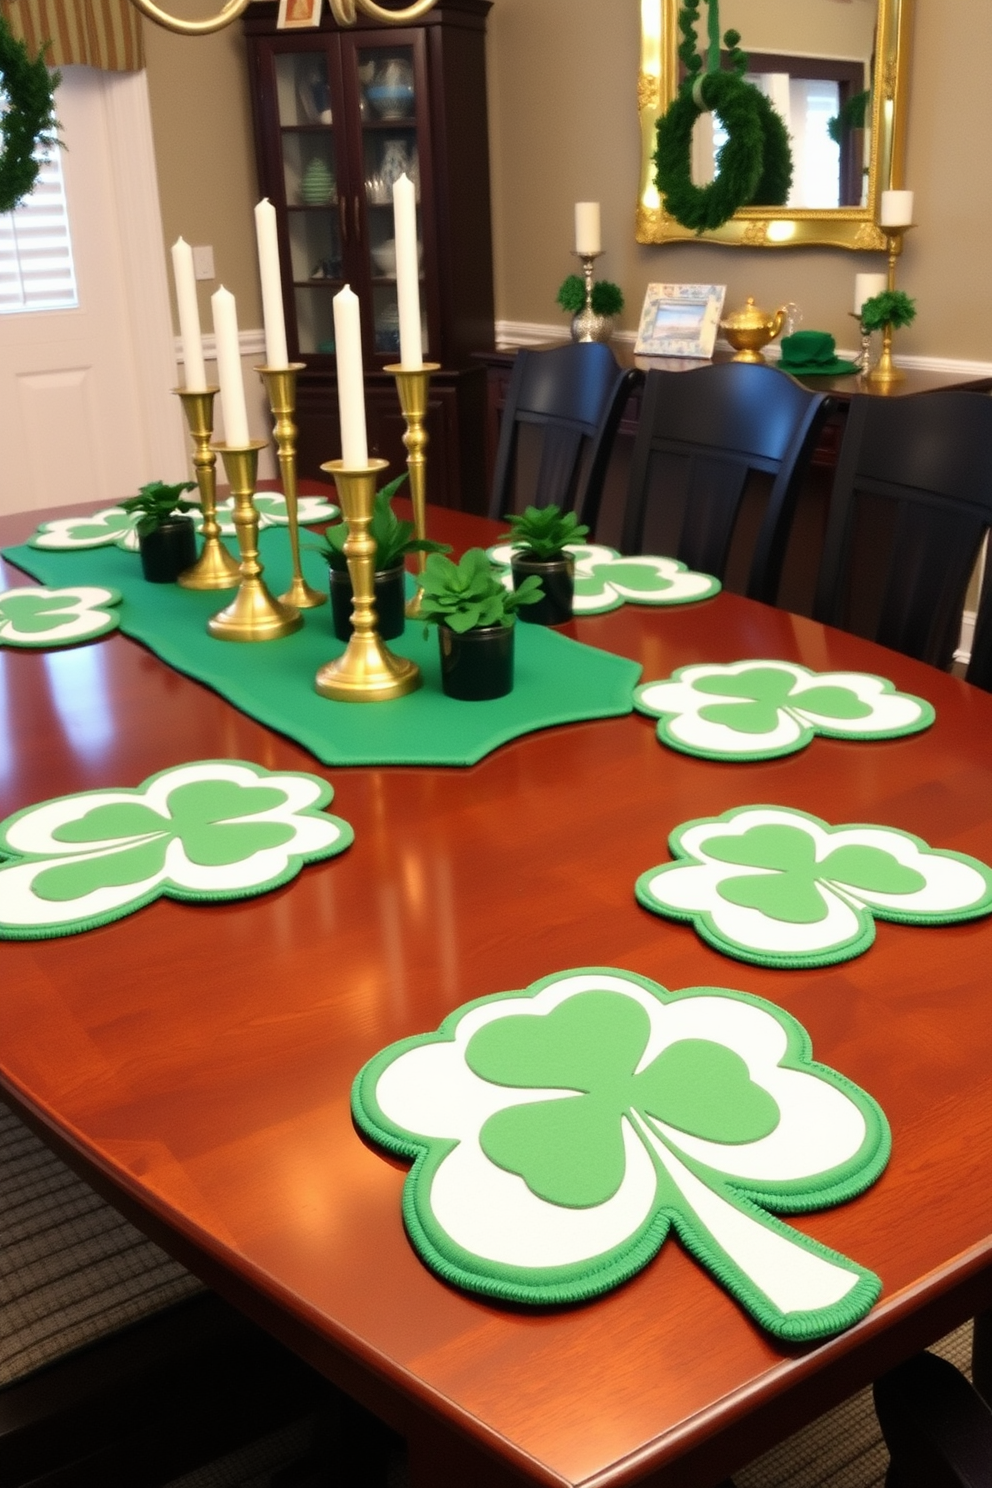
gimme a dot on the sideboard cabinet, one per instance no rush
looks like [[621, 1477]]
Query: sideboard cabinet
[[339, 115]]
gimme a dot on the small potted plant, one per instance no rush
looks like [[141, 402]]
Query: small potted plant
[[166, 536], [539, 537], [393, 539], [474, 614], [593, 322]]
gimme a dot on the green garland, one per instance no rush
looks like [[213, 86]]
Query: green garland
[[892, 307], [29, 120], [754, 167]]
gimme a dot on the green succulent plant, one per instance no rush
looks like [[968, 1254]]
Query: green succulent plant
[[157, 502], [543, 531], [393, 537], [468, 595], [607, 297]]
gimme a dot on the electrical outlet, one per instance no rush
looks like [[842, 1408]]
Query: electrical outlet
[[203, 263]]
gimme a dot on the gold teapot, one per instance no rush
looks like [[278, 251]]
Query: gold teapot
[[750, 329]]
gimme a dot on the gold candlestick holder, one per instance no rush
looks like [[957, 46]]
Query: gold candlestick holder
[[368, 672], [411, 386], [280, 384], [885, 372], [253, 614], [215, 568]]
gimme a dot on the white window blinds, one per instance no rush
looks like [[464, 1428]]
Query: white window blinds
[[36, 269]]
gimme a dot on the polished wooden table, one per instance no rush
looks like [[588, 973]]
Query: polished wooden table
[[195, 1062]]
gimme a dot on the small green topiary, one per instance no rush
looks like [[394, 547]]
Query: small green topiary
[[607, 297], [891, 307]]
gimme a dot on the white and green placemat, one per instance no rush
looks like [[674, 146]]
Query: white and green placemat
[[112, 524], [36, 617], [604, 579], [558, 1134], [778, 887], [206, 831], [755, 710]]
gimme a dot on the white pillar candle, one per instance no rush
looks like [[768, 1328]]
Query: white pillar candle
[[194, 371], [268, 270], [897, 209], [229, 374], [866, 287], [351, 380], [587, 229], [407, 272]]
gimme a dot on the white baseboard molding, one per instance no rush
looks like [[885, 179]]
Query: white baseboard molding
[[250, 343]]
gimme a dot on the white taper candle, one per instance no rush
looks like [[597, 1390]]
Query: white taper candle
[[407, 272], [351, 380], [268, 270], [229, 374], [194, 371]]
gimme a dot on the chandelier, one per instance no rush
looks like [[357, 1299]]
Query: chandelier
[[345, 12]]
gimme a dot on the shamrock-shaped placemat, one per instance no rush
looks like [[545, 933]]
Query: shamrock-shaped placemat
[[778, 887], [559, 1133], [113, 525], [755, 710], [604, 579], [56, 617], [210, 830]]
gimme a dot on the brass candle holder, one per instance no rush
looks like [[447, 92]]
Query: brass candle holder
[[885, 372], [411, 386], [253, 614], [280, 384], [368, 672], [215, 568]]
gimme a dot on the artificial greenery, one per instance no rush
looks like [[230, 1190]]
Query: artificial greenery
[[543, 531], [157, 502], [467, 595], [393, 538], [607, 297], [754, 167], [891, 307], [851, 116], [29, 121]]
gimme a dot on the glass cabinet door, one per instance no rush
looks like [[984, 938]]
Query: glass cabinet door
[[310, 176]]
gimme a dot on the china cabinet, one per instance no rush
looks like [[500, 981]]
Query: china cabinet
[[339, 116]]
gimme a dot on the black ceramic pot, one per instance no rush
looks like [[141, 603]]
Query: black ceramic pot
[[390, 602], [167, 551], [558, 578], [478, 664]]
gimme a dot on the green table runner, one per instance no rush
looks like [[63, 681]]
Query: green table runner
[[558, 680]]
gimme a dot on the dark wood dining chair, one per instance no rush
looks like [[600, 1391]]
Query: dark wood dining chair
[[912, 501], [938, 1429], [980, 664], [570, 399]]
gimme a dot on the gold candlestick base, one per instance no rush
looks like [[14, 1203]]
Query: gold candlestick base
[[368, 672], [411, 386], [885, 372], [280, 384], [253, 614], [216, 568]]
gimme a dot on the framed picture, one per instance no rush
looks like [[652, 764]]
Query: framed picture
[[294, 15], [680, 320]]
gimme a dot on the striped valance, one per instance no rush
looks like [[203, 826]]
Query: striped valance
[[96, 33]]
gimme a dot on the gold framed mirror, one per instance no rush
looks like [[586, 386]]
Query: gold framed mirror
[[838, 33]]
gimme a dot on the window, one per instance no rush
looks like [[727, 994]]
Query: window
[[36, 268]]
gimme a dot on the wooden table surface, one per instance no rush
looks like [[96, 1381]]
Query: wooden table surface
[[195, 1062]]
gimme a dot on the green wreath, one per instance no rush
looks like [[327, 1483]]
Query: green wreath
[[754, 167], [29, 120]]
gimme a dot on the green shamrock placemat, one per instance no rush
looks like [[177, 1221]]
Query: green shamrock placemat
[[211, 830], [112, 524], [559, 1133], [557, 680], [755, 710], [56, 617], [604, 579], [777, 887]]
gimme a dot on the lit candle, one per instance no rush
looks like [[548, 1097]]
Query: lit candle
[[866, 287], [189, 316], [268, 270], [897, 209], [587, 230], [407, 272], [229, 374], [351, 380]]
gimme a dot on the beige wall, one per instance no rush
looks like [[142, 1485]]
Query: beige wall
[[564, 128]]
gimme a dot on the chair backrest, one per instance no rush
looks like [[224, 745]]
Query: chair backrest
[[700, 437], [912, 501], [980, 665], [575, 395]]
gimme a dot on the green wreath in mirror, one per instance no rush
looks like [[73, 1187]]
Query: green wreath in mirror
[[29, 120], [754, 167]]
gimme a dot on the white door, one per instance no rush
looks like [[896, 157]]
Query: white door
[[85, 409]]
